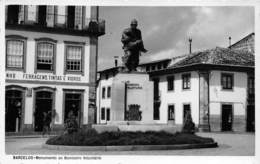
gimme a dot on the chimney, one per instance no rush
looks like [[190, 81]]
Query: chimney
[[229, 38], [116, 62], [190, 40]]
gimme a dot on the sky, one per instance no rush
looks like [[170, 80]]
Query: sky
[[166, 30]]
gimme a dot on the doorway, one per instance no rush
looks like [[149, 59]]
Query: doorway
[[43, 103], [250, 120], [13, 110], [108, 114], [42, 15], [186, 110], [227, 117], [13, 14], [71, 17], [73, 106]]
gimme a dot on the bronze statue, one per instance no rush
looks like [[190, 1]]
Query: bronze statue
[[133, 46]]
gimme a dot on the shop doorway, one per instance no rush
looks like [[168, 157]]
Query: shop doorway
[[227, 117], [43, 103], [13, 110], [73, 105], [250, 120]]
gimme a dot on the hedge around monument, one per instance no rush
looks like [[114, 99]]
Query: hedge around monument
[[91, 137]]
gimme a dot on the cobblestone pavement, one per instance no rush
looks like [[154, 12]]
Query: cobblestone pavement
[[230, 144]]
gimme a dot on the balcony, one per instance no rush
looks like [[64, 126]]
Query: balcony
[[54, 23]]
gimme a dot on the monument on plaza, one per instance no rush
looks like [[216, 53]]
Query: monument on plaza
[[132, 91]]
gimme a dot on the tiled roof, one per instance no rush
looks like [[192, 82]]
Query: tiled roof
[[217, 56]]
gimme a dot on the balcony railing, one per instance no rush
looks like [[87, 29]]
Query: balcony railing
[[91, 25]]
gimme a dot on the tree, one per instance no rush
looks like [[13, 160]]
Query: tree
[[71, 124], [189, 126]]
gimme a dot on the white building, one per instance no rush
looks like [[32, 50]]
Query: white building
[[51, 63], [215, 85]]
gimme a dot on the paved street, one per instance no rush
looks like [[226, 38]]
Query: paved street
[[229, 145]]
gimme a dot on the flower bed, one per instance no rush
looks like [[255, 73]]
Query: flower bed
[[92, 138]]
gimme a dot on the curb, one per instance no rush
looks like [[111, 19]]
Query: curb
[[29, 136], [131, 147]]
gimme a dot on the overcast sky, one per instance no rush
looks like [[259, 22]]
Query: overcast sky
[[165, 30]]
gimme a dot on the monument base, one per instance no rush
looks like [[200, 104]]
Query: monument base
[[204, 128], [132, 98]]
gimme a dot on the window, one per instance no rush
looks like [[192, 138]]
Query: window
[[153, 67], [186, 111], [103, 113], [147, 68], [74, 58], [45, 56], [103, 92], [50, 16], [159, 66], [156, 92], [171, 113], [186, 81], [78, 17], [227, 81], [108, 92], [60, 15], [165, 65], [170, 83], [251, 85], [15, 54], [31, 16]]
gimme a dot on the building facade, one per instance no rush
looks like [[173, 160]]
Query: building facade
[[246, 44], [51, 64], [216, 86]]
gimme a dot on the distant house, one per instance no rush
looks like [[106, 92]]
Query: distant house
[[154, 65], [247, 43], [215, 85]]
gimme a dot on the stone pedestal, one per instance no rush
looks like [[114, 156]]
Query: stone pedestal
[[204, 101], [132, 99]]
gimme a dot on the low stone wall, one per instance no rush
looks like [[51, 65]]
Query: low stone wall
[[27, 128], [167, 128], [239, 123], [215, 123]]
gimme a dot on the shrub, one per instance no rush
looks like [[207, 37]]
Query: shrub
[[90, 137], [71, 124], [189, 126]]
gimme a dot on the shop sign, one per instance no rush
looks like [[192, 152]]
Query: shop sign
[[43, 77]]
